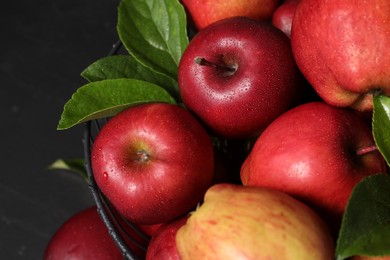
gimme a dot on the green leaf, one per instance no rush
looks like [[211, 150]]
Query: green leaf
[[154, 32], [381, 125], [72, 165], [365, 228], [107, 98], [125, 66]]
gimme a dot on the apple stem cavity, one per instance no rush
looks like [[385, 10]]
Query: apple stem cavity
[[365, 150], [227, 70], [141, 156]]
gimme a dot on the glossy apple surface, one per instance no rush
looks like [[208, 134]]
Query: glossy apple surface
[[153, 162], [341, 47], [241, 222], [317, 153], [206, 12], [237, 75], [82, 236], [283, 16], [163, 243]]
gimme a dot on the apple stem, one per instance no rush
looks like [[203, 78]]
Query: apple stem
[[203, 62], [142, 156], [366, 150]]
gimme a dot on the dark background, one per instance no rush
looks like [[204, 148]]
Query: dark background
[[44, 45]]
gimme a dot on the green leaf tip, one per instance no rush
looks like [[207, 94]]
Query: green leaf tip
[[72, 165], [365, 228], [381, 125], [125, 66], [107, 98], [154, 32]]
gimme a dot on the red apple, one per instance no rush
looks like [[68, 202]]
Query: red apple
[[241, 222], [341, 47], [163, 243], [283, 16], [149, 230], [317, 153], [237, 75], [82, 236], [206, 12], [153, 162]]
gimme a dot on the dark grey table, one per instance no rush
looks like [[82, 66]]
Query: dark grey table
[[44, 45]]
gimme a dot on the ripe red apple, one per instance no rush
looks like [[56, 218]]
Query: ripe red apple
[[241, 222], [82, 236], [317, 153], [153, 162], [237, 75], [341, 47], [283, 16], [206, 12], [163, 243]]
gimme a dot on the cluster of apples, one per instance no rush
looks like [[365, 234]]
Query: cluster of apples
[[273, 135]]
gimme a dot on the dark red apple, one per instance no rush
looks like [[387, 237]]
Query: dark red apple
[[82, 236], [153, 162], [341, 47], [163, 243], [283, 16], [317, 153], [237, 75], [206, 12]]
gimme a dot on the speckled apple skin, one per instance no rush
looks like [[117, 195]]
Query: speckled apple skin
[[174, 177], [266, 82], [342, 48], [82, 236], [310, 152], [163, 243], [283, 16], [206, 12], [241, 222]]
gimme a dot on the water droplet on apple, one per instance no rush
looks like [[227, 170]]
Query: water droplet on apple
[[105, 175]]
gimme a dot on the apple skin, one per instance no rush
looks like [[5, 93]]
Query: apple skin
[[149, 230], [266, 81], [241, 222], [163, 243], [341, 47], [82, 236], [206, 12], [282, 17], [312, 153], [153, 162]]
